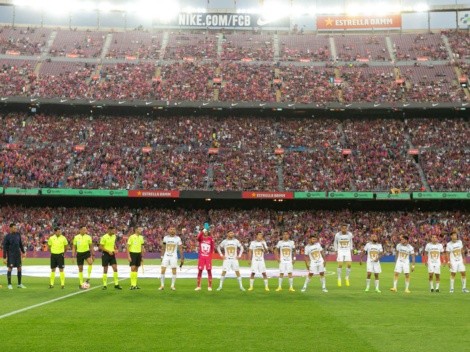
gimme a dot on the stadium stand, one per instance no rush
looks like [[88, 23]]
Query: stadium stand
[[37, 224], [112, 154]]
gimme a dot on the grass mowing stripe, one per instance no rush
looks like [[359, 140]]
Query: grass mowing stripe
[[49, 302]]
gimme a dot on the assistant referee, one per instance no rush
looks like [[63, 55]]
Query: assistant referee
[[57, 246], [135, 252]]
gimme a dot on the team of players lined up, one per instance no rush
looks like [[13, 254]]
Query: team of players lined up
[[231, 250]]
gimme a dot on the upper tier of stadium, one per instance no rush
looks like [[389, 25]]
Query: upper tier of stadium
[[234, 153], [229, 67]]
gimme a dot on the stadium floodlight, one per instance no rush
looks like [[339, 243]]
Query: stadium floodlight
[[273, 10], [312, 10], [421, 7], [105, 7]]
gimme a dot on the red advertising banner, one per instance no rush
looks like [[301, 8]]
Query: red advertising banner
[[346, 152], [358, 22], [267, 195], [153, 194]]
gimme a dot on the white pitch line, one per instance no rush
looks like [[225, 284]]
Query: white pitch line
[[48, 302]]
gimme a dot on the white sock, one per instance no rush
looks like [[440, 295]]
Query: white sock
[[291, 282], [162, 280], [431, 285], [464, 283], [222, 278], [280, 281], [239, 279], [173, 280], [265, 282], [367, 284], [307, 281], [452, 281], [407, 285], [323, 282], [339, 271], [437, 285], [376, 284], [395, 284], [348, 271], [251, 282]]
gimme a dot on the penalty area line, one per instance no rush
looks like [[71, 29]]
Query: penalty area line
[[18, 311]]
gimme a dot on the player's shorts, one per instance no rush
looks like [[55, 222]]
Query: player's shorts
[[231, 264], [136, 259], [374, 267], [171, 262], [457, 267], [286, 267], [82, 256], [204, 262], [57, 261], [107, 259], [258, 266], [402, 267], [344, 256], [14, 261], [434, 268], [316, 268]]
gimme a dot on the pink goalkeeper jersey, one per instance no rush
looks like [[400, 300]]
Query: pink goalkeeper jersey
[[206, 245]]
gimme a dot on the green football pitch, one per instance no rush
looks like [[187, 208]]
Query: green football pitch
[[344, 319]]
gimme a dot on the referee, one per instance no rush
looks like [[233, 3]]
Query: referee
[[57, 246], [12, 250], [82, 249], [135, 252], [108, 247]]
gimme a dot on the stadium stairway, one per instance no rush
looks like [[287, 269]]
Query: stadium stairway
[[280, 175], [388, 41], [458, 73], [340, 91], [421, 173], [106, 46], [220, 47], [165, 39], [447, 45], [276, 47], [333, 51], [47, 48], [344, 144]]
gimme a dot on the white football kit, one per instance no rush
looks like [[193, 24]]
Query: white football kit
[[317, 264], [434, 257], [230, 254], [286, 251], [343, 245], [456, 258], [170, 258], [257, 261], [403, 258], [373, 254]]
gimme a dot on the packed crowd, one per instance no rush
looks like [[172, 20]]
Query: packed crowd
[[36, 225], [421, 47], [117, 152], [23, 41], [234, 81], [445, 151], [303, 84]]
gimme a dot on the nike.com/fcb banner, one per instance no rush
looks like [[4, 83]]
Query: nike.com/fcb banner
[[224, 20], [328, 23]]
